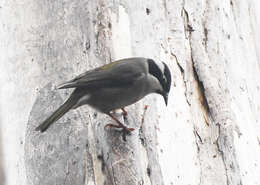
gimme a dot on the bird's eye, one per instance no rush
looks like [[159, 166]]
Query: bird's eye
[[164, 78]]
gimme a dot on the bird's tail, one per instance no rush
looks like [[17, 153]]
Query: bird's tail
[[63, 109]]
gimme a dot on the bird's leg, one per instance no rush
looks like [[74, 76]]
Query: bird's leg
[[120, 125], [124, 112]]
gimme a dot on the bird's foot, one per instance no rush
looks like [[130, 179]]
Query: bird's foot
[[124, 112], [119, 124], [128, 130]]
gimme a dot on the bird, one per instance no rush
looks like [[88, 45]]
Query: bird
[[114, 86]]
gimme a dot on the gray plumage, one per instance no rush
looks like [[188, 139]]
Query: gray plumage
[[114, 86]]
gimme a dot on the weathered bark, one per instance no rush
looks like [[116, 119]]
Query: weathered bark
[[208, 134], [2, 174]]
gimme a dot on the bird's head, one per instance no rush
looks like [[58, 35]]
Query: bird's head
[[161, 72]]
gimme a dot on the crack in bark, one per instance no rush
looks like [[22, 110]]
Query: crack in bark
[[196, 135], [183, 78], [187, 27], [202, 90], [203, 100]]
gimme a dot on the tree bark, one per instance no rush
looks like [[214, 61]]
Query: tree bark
[[208, 134], [2, 174]]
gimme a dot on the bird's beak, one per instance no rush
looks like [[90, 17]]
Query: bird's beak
[[165, 96]]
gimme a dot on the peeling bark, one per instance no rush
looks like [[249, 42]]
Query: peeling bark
[[219, 105]]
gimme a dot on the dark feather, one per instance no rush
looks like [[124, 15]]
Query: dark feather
[[115, 74], [63, 109]]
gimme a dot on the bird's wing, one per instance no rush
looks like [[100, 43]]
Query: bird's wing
[[115, 74]]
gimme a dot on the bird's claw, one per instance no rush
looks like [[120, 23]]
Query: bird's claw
[[124, 113], [119, 126]]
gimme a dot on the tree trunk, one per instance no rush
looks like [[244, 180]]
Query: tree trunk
[[208, 134]]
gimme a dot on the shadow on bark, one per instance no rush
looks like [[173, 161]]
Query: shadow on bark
[[2, 175]]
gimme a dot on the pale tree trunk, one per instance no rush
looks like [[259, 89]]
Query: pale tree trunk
[[2, 176], [208, 134]]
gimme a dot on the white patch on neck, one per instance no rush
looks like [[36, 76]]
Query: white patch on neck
[[161, 66]]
